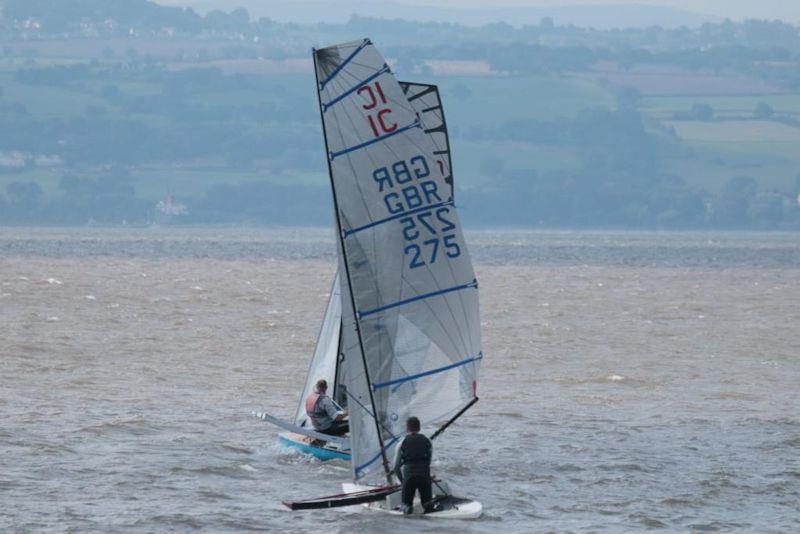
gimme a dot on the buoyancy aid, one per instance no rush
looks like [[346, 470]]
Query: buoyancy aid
[[313, 409], [415, 455]]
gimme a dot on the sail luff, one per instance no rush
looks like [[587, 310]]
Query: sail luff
[[345, 263]]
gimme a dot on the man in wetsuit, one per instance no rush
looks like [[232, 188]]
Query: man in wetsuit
[[325, 415], [412, 464]]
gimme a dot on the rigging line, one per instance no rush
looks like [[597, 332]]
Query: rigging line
[[371, 414], [473, 284], [375, 458], [341, 65], [347, 267]]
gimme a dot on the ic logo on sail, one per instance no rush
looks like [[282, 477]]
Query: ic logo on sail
[[377, 120]]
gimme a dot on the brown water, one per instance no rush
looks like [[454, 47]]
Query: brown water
[[631, 381]]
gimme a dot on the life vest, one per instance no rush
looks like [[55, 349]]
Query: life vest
[[313, 409], [416, 450]]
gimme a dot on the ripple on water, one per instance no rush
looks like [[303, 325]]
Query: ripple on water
[[609, 409]]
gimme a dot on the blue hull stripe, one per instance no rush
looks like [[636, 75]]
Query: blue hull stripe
[[349, 58], [350, 91], [348, 233], [427, 373], [377, 456], [318, 452], [366, 313], [415, 124]]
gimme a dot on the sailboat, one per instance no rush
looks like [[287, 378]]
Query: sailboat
[[408, 337], [426, 101]]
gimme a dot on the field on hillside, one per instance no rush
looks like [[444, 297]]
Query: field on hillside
[[260, 124]]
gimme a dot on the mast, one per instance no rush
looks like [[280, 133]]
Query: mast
[[340, 237], [338, 353]]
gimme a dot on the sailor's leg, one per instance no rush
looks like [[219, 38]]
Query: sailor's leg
[[342, 427], [425, 493], [409, 488], [337, 428]]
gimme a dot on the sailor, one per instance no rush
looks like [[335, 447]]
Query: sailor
[[325, 415], [412, 465]]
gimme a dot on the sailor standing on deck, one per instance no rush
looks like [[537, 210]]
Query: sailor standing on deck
[[325, 415], [412, 464]]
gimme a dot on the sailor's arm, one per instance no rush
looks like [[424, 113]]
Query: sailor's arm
[[333, 411], [396, 463]]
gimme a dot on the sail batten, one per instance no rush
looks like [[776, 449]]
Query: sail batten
[[366, 313], [427, 373], [415, 124]]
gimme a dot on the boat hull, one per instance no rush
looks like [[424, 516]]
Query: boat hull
[[309, 446], [451, 507]]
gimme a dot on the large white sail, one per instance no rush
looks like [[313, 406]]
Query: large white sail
[[410, 318], [426, 101]]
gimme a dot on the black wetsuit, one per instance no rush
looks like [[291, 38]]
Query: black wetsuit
[[414, 470]]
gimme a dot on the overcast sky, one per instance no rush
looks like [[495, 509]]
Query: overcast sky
[[788, 10], [778, 9]]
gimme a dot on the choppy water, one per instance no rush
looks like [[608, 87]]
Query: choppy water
[[632, 381]]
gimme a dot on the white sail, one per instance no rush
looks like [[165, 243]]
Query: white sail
[[410, 317], [323, 364], [426, 102]]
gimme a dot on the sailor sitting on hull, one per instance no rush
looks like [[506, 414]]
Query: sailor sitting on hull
[[412, 465], [325, 415]]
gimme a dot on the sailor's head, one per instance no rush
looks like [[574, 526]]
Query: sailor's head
[[412, 424], [321, 386]]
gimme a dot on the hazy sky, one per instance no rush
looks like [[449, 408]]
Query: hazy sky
[[737, 9], [777, 9]]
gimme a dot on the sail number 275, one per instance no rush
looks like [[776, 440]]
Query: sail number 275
[[437, 225]]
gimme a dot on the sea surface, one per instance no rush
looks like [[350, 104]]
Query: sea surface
[[632, 381]]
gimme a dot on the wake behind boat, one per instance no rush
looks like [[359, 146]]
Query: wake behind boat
[[401, 335]]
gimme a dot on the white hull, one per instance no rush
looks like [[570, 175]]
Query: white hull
[[456, 508]]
